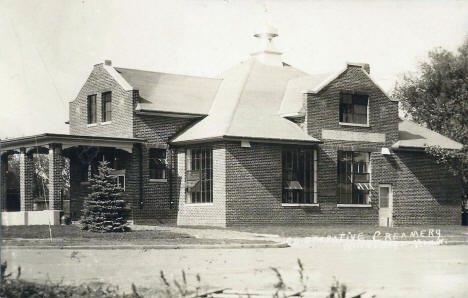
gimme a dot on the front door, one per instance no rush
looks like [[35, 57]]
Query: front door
[[385, 205]]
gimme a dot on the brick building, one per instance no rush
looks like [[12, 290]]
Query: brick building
[[263, 143]]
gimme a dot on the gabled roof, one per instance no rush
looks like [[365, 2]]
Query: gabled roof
[[247, 105], [415, 136], [292, 105], [163, 92]]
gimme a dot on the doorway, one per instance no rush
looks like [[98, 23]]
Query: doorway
[[385, 205]]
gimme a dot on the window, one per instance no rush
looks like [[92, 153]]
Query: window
[[120, 180], [199, 175], [353, 177], [106, 106], [92, 109], [157, 163], [299, 176], [353, 108]]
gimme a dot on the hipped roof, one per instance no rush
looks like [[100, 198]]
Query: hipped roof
[[247, 105]]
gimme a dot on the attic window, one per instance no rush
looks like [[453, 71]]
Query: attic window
[[354, 109]]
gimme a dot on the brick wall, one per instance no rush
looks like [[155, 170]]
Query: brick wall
[[323, 109], [414, 203], [100, 81], [425, 192], [254, 189], [159, 201], [55, 177], [3, 180], [204, 214], [26, 181]]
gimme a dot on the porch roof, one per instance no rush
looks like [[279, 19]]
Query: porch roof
[[414, 136], [68, 141]]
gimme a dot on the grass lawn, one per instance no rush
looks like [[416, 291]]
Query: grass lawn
[[444, 232], [72, 235]]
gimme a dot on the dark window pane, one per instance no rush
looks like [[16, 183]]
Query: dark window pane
[[353, 169], [91, 109], [199, 166], [106, 106], [297, 175], [353, 108], [157, 163]]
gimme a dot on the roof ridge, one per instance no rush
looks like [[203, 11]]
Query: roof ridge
[[167, 73], [246, 79]]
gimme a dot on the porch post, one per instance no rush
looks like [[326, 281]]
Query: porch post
[[26, 180], [55, 176], [3, 185]]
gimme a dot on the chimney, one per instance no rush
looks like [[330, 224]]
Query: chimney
[[366, 67], [267, 52], [108, 62]]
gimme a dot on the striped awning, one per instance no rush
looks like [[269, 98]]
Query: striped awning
[[292, 185], [364, 186]]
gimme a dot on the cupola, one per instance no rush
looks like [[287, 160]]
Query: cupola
[[266, 51]]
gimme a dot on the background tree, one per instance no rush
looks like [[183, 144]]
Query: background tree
[[104, 210], [437, 97]]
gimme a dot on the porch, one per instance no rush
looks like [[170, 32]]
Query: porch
[[64, 191]]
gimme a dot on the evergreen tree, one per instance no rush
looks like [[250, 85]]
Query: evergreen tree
[[104, 210]]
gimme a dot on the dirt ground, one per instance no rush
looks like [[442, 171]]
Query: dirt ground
[[400, 271]]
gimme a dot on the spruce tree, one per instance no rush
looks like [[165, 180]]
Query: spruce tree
[[104, 210]]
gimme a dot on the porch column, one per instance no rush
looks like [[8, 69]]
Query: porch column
[[3, 181], [55, 176], [26, 180]]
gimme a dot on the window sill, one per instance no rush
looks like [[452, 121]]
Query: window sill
[[158, 180], [354, 205], [198, 204], [353, 124], [91, 125], [106, 123], [300, 205]]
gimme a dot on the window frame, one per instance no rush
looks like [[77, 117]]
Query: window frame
[[354, 202], [204, 166], [164, 169], [91, 105], [340, 111], [106, 116], [117, 174], [306, 162]]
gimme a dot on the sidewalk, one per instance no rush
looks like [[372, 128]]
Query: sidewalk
[[212, 233], [220, 233]]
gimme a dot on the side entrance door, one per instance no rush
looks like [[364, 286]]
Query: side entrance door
[[385, 205]]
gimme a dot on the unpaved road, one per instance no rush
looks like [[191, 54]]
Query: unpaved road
[[386, 271]]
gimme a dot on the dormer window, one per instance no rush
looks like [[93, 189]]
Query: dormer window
[[92, 109], [106, 106], [354, 109]]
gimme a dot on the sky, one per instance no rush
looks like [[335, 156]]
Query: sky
[[48, 47]]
